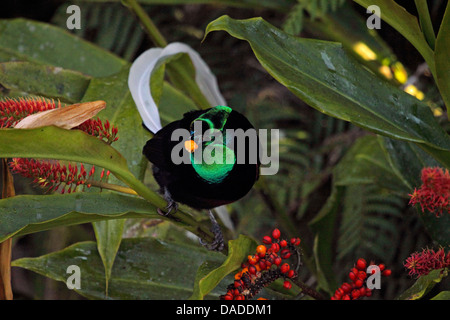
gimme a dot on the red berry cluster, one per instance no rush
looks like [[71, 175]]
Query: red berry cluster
[[357, 288], [264, 267]]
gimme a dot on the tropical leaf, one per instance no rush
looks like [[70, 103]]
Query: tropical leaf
[[144, 269], [319, 73]]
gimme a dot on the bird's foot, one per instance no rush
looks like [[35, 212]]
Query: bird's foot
[[172, 206], [218, 243]]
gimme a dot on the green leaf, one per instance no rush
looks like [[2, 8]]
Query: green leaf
[[26, 214], [210, 275], [406, 24], [324, 76], [78, 146], [441, 55], [366, 163], [144, 268], [444, 295], [422, 286], [55, 82], [109, 236], [22, 39], [323, 226]]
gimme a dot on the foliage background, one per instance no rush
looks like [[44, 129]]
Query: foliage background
[[372, 223]]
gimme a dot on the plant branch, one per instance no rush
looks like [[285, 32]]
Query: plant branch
[[308, 290], [177, 71]]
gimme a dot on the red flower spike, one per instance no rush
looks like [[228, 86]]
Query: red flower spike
[[434, 194], [12, 111], [422, 263]]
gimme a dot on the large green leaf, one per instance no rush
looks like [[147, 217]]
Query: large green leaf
[[323, 75], [33, 213], [71, 145], [65, 85], [442, 61], [22, 39], [144, 268]]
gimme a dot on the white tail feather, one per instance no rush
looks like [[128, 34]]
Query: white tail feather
[[141, 71]]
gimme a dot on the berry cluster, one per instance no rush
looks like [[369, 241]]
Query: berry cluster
[[357, 288], [434, 194], [422, 263], [264, 267]]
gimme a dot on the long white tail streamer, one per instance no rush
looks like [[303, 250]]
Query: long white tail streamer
[[140, 75], [139, 84]]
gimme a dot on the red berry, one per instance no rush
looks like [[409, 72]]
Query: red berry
[[252, 270], [267, 240], [361, 264], [276, 233], [355, 294], [381, 266], [346, 297], [228, 297], [283, 243], [352, 276], [362, 275], [291, 273], [261, 250], [359, 283], [346, 287], [277, 261], [275, 247], [285, 253], [285, 268], [387, 272], [287, 284]]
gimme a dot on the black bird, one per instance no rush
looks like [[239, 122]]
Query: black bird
[[228, 168]]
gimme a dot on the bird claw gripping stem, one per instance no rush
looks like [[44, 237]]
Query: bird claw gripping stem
[[218, 244]]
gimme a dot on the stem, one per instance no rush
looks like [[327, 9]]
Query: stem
[[181, 217], [177, 71], [110, 186], [308, 290], [146, 22]]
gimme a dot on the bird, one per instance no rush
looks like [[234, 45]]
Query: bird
[[225, 172]]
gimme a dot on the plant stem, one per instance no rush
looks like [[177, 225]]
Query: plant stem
[[177, 71], [182, 218], [147, 23], [308, 290], [110, 186]]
